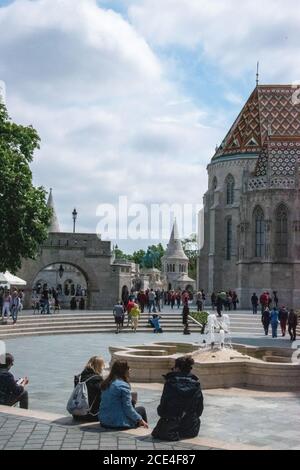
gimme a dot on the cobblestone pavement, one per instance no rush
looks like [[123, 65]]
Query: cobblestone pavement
[[26, 433]]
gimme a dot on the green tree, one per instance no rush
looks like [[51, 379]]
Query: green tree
[[138, 257], [190, 247], [24, 215], [119, 254]]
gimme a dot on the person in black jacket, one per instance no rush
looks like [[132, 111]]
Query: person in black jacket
[[12, 391], [92, 375], [181, 403]]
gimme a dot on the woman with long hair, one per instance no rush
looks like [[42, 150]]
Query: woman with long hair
[[117, 409], [92, 376]]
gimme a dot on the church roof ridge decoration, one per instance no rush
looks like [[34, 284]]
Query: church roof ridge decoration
[[269, 113]]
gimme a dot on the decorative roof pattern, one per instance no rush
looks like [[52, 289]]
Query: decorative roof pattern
[[269, 112]]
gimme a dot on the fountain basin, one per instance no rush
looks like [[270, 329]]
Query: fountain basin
[[239, 366]]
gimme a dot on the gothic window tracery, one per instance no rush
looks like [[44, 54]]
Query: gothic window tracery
[[281, 218], [229, 190], [260, 233]]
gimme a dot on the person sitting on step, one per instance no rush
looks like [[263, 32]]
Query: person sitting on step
[[12, 391]]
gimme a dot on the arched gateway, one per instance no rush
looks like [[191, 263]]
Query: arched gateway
[[91, 259]]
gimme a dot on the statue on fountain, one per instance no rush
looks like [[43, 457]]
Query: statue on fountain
[[217, 328]]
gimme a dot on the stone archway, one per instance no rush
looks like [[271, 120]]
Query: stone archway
[[91, 256], [67, 280]]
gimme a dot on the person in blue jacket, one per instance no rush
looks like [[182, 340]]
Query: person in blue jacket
[[117, 408], [274, 321]]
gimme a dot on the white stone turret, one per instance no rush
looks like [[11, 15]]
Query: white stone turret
[[54, 224]]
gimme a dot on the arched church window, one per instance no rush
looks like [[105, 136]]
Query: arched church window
[[229, 190], [228, 239], [260, 232], [214, 183], [282, 231]]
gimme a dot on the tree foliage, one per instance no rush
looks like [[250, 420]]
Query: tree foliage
[[190, 247], [24, 214]]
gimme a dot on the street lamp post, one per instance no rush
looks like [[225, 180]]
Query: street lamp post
[[74, 214]]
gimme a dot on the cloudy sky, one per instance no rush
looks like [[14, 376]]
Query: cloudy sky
[[130, 97]]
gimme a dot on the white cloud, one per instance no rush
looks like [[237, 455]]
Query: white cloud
[[230, 33], [110, 121]]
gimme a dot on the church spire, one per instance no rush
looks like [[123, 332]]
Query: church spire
[[175, 249], [54, 224]]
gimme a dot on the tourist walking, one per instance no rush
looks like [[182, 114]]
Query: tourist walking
[[173, 298], [219, 304], [266, 318], [135, 316], [213, 300], [254, 302], [181, 404], [118, 312], [275, 298], [142, 300], [151, 301], [6, 305], [199, 302], [12, 391], [185, 319], [15, 306], [264, 301], [203, 298], [292, 322], [130, 305], [235, 300], [117, 407], [92, 377], [274, 321], [283, 318], [178, 300]]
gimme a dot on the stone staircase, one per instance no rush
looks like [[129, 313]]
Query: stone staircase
[[103, 322]]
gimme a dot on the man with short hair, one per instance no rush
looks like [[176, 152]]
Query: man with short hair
[[12, 391], [118, 312]]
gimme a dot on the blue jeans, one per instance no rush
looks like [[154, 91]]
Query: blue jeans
[[274, 330], [14, 313], [152, 306]]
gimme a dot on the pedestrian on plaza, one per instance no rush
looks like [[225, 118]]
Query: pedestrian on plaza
[[135, 316], [6, 305], [199, 302], [173, 299], [235, 300], [178, 300], [142, 300], [81, 304], [266, 318], [92, 377], [185, 319], [254, 302], [12, 391], [219, 304], [15, 306], [203, 298], [283, 318], [130, 305], [264, 302], [213, 300], [117, 406], [181, 404], [293, 322], [275, 298], [158, 300], [154, 322], [35, 303], [151, 300], [274, 318], [118, 312], [73, 304]]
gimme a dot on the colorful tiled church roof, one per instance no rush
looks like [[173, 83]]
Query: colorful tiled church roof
[[271, 113]]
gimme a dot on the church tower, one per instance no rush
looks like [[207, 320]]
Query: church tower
[[176, 264]]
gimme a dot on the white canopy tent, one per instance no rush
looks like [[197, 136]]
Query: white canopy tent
[[7, 279]]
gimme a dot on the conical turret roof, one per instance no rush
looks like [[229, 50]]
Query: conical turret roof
[[54, 224], [175, 249]]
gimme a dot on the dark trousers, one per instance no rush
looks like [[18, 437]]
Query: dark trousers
[[141, 411], [292, 332], [254, 309], [283, 324], [22, 400]]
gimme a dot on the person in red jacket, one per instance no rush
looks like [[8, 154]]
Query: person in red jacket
[[130, 306], [264, 301], [142, 300]]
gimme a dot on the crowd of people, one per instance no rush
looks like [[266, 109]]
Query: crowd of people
[[11, 304], [110, 401]]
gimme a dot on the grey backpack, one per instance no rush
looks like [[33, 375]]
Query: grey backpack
[[78, 404]]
